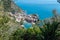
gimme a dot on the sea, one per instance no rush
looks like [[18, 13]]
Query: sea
[[42, 10]]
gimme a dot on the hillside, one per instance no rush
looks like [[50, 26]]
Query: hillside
[[7, 25]]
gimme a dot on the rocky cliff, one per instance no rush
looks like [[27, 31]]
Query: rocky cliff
[[8, 6]]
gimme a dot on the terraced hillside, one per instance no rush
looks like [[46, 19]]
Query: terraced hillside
[[8, 6], [7, 26]]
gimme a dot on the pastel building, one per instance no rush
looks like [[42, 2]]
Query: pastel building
[[19, 16]]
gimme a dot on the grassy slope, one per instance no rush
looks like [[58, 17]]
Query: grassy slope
[[11, 28]]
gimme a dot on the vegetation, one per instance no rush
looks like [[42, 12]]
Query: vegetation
[[6, 5], [48, 32], [7, 26], [11, 30]]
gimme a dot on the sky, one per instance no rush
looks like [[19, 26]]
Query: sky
[[37, 1]]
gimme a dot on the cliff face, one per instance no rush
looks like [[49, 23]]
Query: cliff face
[[15, 7], [8, 6]]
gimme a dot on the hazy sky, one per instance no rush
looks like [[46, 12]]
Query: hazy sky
[[37, 1]]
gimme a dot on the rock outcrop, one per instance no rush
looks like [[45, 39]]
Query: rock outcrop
[[8, 6]]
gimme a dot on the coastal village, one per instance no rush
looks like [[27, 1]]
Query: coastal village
[[18, 14], [22, 16], [12, 18]]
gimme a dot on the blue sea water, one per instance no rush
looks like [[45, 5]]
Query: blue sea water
[[27, 25], [43, 10]]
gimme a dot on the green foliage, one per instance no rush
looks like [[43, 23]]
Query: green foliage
[[3, 20], [3, 25], [32, 34], [18, 35], [7, 27], [48, 32], [7, 5]]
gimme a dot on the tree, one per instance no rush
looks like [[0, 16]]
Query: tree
[[7, 5], [18, 35], [49, 31]]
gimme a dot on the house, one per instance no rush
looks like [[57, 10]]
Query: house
[[31, 18], [19, 16]]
